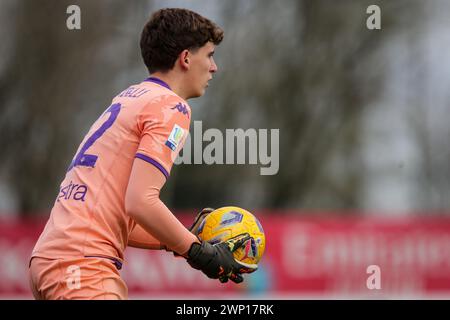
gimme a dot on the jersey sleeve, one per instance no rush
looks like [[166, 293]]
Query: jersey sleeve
[[164, 127]]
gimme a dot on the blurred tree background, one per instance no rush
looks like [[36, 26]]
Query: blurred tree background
[[361, 113]]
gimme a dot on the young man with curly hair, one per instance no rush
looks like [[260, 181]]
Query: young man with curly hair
[[109, 198]]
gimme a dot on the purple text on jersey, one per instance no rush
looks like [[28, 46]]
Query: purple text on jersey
[[133, 92], [72, 191]]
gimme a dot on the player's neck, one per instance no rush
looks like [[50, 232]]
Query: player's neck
[[174, 82]]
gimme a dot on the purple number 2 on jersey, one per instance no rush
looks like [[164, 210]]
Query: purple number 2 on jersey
[[89, 160]]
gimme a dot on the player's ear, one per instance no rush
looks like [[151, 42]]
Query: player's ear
[[184, 59]]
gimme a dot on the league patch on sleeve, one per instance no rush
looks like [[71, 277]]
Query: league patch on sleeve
[[175, 137]]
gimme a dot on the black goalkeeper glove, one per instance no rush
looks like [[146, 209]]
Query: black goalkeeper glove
[[199, 219], [217, 261], [195, 225]]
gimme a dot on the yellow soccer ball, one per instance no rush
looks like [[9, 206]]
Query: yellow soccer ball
[[227, 222]]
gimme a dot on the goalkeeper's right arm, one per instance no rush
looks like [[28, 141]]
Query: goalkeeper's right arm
[[142, 203]]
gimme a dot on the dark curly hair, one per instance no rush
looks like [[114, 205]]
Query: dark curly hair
[[170, 31]]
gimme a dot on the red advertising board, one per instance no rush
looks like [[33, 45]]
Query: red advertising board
[[323, 257]]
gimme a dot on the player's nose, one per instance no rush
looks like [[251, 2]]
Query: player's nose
[[213, 68]]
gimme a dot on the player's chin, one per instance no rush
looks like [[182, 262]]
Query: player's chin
[[200, 92], [196, 95]]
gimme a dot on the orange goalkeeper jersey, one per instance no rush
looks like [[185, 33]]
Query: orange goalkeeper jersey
[[147, 121]]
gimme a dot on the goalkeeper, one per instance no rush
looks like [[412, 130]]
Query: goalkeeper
[[109, 198]]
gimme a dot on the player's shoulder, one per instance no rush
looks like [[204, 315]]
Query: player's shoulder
[[164, 100]]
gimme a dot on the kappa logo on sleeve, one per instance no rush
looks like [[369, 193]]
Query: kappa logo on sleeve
[[181, 108], [175, 137]]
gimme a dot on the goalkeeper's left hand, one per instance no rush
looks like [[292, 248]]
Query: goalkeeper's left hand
[[195, 225], [199, 219]]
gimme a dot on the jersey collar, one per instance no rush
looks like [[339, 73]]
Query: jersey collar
[[158, 81]]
